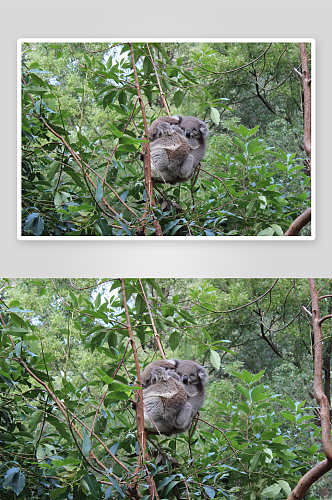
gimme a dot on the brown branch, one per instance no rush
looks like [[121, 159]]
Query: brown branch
[[307, 101], [156, 334], [147, 157], [138, 393], [323, 467], [141, 433], [162, 93], [328, 316], [301, 221]]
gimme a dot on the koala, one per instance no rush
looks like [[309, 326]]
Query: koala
[[172, 160], [166, 410], [169, 153], [164, 400], [193, 377], [196, 132]]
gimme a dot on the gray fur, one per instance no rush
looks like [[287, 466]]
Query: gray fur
[[165, 404], [146, 376], [155, 130], [174, 392], [177, 145], [193, 377], [195, 131]]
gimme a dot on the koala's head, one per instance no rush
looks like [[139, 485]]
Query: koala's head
[[191, 373], [159, 375], [158, 127], [148, 377], [164, 128], [193, 127]]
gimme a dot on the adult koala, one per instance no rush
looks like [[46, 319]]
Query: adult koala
[[172, 160], [173, 393], [165, 403], [194, 378], [169, 154], [195, 131]]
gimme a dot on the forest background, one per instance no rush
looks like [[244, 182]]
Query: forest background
[[68, 367], [83, 128]]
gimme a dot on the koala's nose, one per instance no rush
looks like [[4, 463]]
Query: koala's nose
[[187, 133], [185, 379]]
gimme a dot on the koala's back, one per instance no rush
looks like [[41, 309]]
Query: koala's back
[[179, 155]]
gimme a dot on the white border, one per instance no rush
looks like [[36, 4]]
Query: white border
[[312, 41]]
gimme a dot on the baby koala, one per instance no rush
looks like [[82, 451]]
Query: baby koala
[[165, 403]]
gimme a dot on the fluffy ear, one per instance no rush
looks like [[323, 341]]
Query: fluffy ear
[[178, 117], [202, 374], [174, 362], [204, 130]]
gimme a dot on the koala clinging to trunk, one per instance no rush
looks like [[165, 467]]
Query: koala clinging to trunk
[[177, 146], [174, 392], [165, 404], [169, 154]]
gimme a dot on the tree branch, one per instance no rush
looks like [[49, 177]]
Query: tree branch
[[301, 221], [307, 101], [323, 467]]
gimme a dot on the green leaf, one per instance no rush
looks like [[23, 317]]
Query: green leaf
[[271, 491], [215, 116], [178, 98], [163, 482], [240, 143], [285, 487], [288, 416], [140, 303], [215, 359], [257, 393], [174, 340], [17, 320], [254, 462], [35, 418], [99, 191], [52, 170], [18, 482], [253, 146], [250, 207], [57, 200], [281, 166], [258, 376], [117, 487], [244, 407], [269, 231], [93, 486], [86, 443], [102, 228], [277, 229], [209, 491], [243, 391]]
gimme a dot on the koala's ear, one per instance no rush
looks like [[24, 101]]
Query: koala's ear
[[202, 374], [178, 117], [174, 362], [204, 130]]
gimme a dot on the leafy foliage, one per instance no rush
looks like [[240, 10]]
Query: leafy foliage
[[82, 134], [70, 433]]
